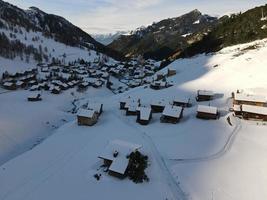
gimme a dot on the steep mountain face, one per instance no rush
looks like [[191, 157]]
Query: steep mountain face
[[160, 40], [106, 39], [231, 30], [51, 26]]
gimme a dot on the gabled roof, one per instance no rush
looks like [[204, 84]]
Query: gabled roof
[[86, 113], [120, 162], [205, 92], [251, 98], [145, 113], [161, 102], [95, 106], [172, 111], [207, 109]]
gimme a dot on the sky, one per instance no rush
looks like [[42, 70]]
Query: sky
[[109, 16]]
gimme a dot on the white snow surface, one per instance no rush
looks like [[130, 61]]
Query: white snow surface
[[195, 159]]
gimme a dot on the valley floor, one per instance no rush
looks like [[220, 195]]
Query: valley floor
[[194, 159]]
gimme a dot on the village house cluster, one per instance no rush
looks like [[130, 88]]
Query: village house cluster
[[57, 78], [171, 111]]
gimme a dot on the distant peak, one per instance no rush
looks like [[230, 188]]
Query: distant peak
[[196, 11], [35, 9]]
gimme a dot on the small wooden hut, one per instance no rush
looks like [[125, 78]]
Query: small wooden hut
[[204, 95], [87, 117], [207, 112]]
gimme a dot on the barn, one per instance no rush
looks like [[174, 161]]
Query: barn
[[115, 157], [204, 95], [144, 115], [172, 114], [251, 112], [207, 112], [87, 117], [249, 99]]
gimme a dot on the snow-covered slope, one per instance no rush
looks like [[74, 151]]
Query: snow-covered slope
[[193, 159]]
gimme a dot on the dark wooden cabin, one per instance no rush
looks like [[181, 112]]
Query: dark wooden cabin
[[207, 112], [172, 114]]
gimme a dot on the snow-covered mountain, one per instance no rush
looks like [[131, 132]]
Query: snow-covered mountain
[[36, 34], [108, 38], [161, 39]]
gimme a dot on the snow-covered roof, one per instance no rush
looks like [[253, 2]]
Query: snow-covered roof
[[207, 109], [95, 106], [172, 111], [205, 92], [120, 162], [161, 102], [86, 113], [145, 113], [119, 165], [254, 109], [8, 84], [181, 99], [249, 97], [19, 83], [34, 95]]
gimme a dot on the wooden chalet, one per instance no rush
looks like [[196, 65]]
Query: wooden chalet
[[157, 85], [204, 95], [251, 112], [87, 117], [172, 114], [144, 115], [35, 97], [248, 99], [181, 101], [115, 157], [10, 86], [56, 90], [207, 112], [158, 106]]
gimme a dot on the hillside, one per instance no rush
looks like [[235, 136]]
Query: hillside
[[230, 157], [36, 25], [236, 29], [162, 39]]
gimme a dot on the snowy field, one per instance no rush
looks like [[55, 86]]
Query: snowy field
[[194, 159]]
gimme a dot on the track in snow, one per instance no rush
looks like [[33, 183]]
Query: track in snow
[[177, 192], [226, 148]]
